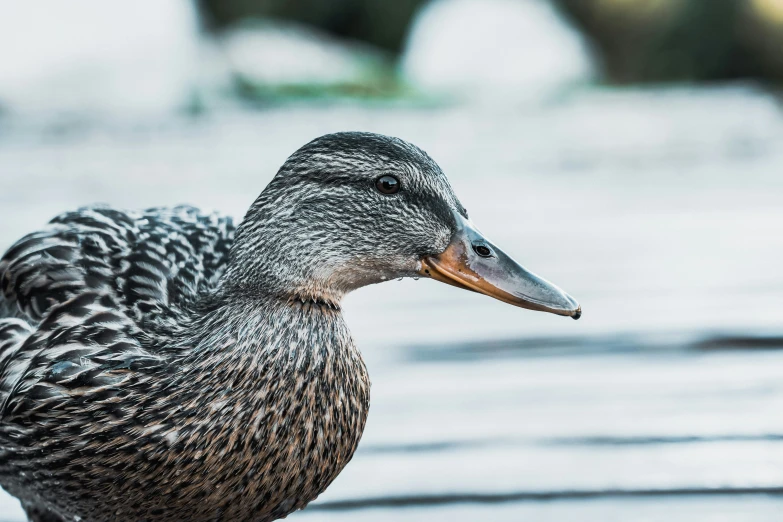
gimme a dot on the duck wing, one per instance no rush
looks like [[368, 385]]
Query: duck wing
[[90, 300], [153, 262], [83, 350]]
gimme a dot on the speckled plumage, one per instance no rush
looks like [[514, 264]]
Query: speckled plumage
[[160, 365]]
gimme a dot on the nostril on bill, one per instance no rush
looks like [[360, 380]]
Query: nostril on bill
[[482, 250]]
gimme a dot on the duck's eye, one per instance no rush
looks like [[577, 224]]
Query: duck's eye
[[387, 185]]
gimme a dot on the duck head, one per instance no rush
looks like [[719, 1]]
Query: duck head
[[352, 209]]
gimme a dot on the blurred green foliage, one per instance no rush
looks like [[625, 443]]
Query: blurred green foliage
[[383, 86]]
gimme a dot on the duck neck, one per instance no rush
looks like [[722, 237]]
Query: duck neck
[[262, 326], [281, 251]]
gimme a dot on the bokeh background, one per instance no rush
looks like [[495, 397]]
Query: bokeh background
[[628, 150]]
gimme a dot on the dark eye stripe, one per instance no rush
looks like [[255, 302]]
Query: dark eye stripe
[[387, 185]]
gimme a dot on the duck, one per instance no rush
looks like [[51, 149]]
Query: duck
[[168, 365]]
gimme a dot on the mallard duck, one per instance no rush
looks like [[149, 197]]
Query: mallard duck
[[165, 365]]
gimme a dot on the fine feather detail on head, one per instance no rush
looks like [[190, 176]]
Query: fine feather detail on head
[[321, 228]]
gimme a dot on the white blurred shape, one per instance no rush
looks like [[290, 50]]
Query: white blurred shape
[[10, 509], [287, 54], [88, 56], [485, 48]]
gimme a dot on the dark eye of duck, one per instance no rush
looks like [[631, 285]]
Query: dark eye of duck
[[387, 185]]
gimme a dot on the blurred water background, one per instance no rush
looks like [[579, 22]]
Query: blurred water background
[[628, 150]]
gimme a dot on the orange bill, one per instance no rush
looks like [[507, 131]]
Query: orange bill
[[473, 263]]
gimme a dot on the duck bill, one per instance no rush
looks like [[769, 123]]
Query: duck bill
[[472, 262]]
